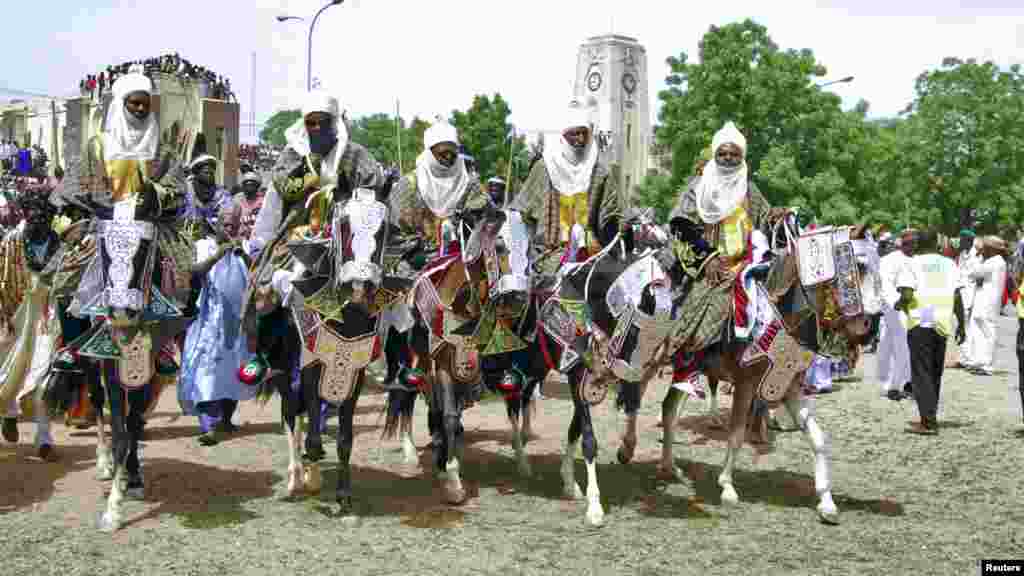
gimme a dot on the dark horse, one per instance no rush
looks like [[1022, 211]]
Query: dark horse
[[318, 345], [473, 322]]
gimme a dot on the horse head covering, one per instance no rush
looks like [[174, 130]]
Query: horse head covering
[[722, 188], [569, 170], [298, 138], [127, 137], [441, 187]]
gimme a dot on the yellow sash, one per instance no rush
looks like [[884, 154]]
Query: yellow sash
[[574, 209], [125, 178]]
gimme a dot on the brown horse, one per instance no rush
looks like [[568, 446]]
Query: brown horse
[[732, 366], [472, 307]]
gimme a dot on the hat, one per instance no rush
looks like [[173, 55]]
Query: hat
[[203, 159], [967, 233], [996, 243]]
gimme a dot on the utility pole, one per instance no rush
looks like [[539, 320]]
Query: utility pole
[[398, 134], [252, 97]]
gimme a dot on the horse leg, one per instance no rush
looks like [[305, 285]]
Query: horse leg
[[445, 403], [409, 455], [570, 488], [111, 519], [104, 459], [345, 438], [742, 396], [290, 402], [517, 409], [595, 513], [712, 406], [800, 411], [134, 424], [629, 400], [670, 407]]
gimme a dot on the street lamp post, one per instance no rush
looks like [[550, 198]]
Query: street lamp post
[[309, 39], [840, 81]]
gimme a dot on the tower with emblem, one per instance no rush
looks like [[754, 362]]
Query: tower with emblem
[[611, 73]]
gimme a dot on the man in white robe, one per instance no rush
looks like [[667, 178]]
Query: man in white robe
[[967, 261], [893, 352], [981, 328]]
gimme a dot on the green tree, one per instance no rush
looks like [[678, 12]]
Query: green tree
[[802, 149], [379, 134], [964, 143], [487, 136], [273, 130], [657, 191]]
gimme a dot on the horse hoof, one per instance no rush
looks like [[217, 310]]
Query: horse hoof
[[346, 509], [729, 496], [595, 516], [311, 479], [46, 453], [454, 495], [108, 522], [828, 512]]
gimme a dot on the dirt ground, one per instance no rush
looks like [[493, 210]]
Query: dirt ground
[[934, 505]]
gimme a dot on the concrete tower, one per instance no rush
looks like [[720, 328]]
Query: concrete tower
[[611, 71]]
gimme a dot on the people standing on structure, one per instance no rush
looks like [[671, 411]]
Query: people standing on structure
[[990, 279], [927, 289]]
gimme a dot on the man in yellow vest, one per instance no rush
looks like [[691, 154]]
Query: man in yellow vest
[[927, 294]]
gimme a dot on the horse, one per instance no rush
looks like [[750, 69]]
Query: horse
[[318, 344], [769, 369], [473, 318]]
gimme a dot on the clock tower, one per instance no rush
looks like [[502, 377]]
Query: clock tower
[[611, 73]]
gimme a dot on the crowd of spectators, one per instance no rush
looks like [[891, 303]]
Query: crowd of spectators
[[95, 85], [22, 160], [259, 156]]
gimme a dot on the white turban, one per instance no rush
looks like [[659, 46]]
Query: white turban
[[126, 137], [440, 187], [438, 132], [720, 189], [570, 172], [316, 101], [729, 134], [578, 116], [298, 138]]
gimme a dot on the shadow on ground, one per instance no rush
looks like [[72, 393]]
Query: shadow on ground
[[201, 496], [28, 480]]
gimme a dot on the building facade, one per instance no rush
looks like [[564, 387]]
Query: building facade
[[209, 126], [611, 74]]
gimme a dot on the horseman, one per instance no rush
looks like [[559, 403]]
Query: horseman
[[132, 287], [571, 200], [424, 210], [721, 224], [28, 316], [319, 166]]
